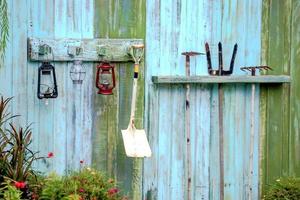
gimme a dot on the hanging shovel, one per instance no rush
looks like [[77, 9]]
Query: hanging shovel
[[135, 140]]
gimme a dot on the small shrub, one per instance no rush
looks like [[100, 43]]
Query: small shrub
[[284, 189], [16, 158], [10, 192], [86, 184]]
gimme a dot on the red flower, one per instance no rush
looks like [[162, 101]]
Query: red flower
[[81, 161], [50, 155], [81, 190], [112, 191], [20, 185]]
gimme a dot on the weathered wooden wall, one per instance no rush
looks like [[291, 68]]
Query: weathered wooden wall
[[65, 125], [80, 125], [182, 25], [280, 104]]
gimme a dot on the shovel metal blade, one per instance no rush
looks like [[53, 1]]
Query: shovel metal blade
[[136, 143]]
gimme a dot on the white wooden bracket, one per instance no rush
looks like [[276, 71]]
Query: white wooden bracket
[[89, 50]]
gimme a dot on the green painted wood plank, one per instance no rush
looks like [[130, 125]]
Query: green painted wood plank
[[119, 19], [276, 43], [294, 135], [221, 79], [263, 95]]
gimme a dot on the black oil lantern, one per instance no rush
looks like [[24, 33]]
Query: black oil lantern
[[47, 87], [105, 78], [77, 72]]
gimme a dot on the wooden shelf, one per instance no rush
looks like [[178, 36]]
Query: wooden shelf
[[221, 79]]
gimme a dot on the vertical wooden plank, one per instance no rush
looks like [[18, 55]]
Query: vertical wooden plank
[[151, 165], [215, 16], [202, 98], [164, 145], [60, 104], [19, 89], [230, 24], [253, 53], [165, 101], [45, 29], [120, 19], [294, 42], [101, 102], [278, 58], [87, 31], [263, 95], [200, 120], [32, 76]]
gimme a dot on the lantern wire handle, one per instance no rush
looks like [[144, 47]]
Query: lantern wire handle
[[137, 52]]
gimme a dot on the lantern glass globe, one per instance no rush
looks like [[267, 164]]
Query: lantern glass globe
[[77, 72]]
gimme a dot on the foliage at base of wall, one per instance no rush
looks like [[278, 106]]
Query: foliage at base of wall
[[284, 188], [19, 180]]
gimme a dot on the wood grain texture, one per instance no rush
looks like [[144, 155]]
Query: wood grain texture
[[88, 50], [169, 33], [56, 127], [221, 79], [279, 45], [119, 19]]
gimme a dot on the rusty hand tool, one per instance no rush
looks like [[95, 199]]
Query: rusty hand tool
[[252, 69], [187, 119], [220, 71]]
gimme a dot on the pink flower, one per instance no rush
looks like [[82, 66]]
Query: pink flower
[[81, 190], [112, 191], [20, 185], [81, 161], [50, 155]]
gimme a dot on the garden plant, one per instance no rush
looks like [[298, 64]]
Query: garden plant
[[19, 180]]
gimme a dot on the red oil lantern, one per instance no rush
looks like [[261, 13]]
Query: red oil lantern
[[105, 78]]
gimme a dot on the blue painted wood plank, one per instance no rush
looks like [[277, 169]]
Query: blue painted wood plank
[[164, 145], [19, 62], [87, 31], [45, 28], [74, 111], [178, 146], [253, 55], [200, 132], [151, 165], [215, 35], [32, 76], [60, 104]]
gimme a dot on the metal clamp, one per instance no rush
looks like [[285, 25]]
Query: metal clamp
[[74, 50], [44, 49]]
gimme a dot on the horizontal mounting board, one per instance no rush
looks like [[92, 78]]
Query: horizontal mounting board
[[90, 50], [221, 79]]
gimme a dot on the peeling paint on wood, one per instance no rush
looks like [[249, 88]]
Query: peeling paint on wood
[[185, 25], [280, 104], [90, 50]]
